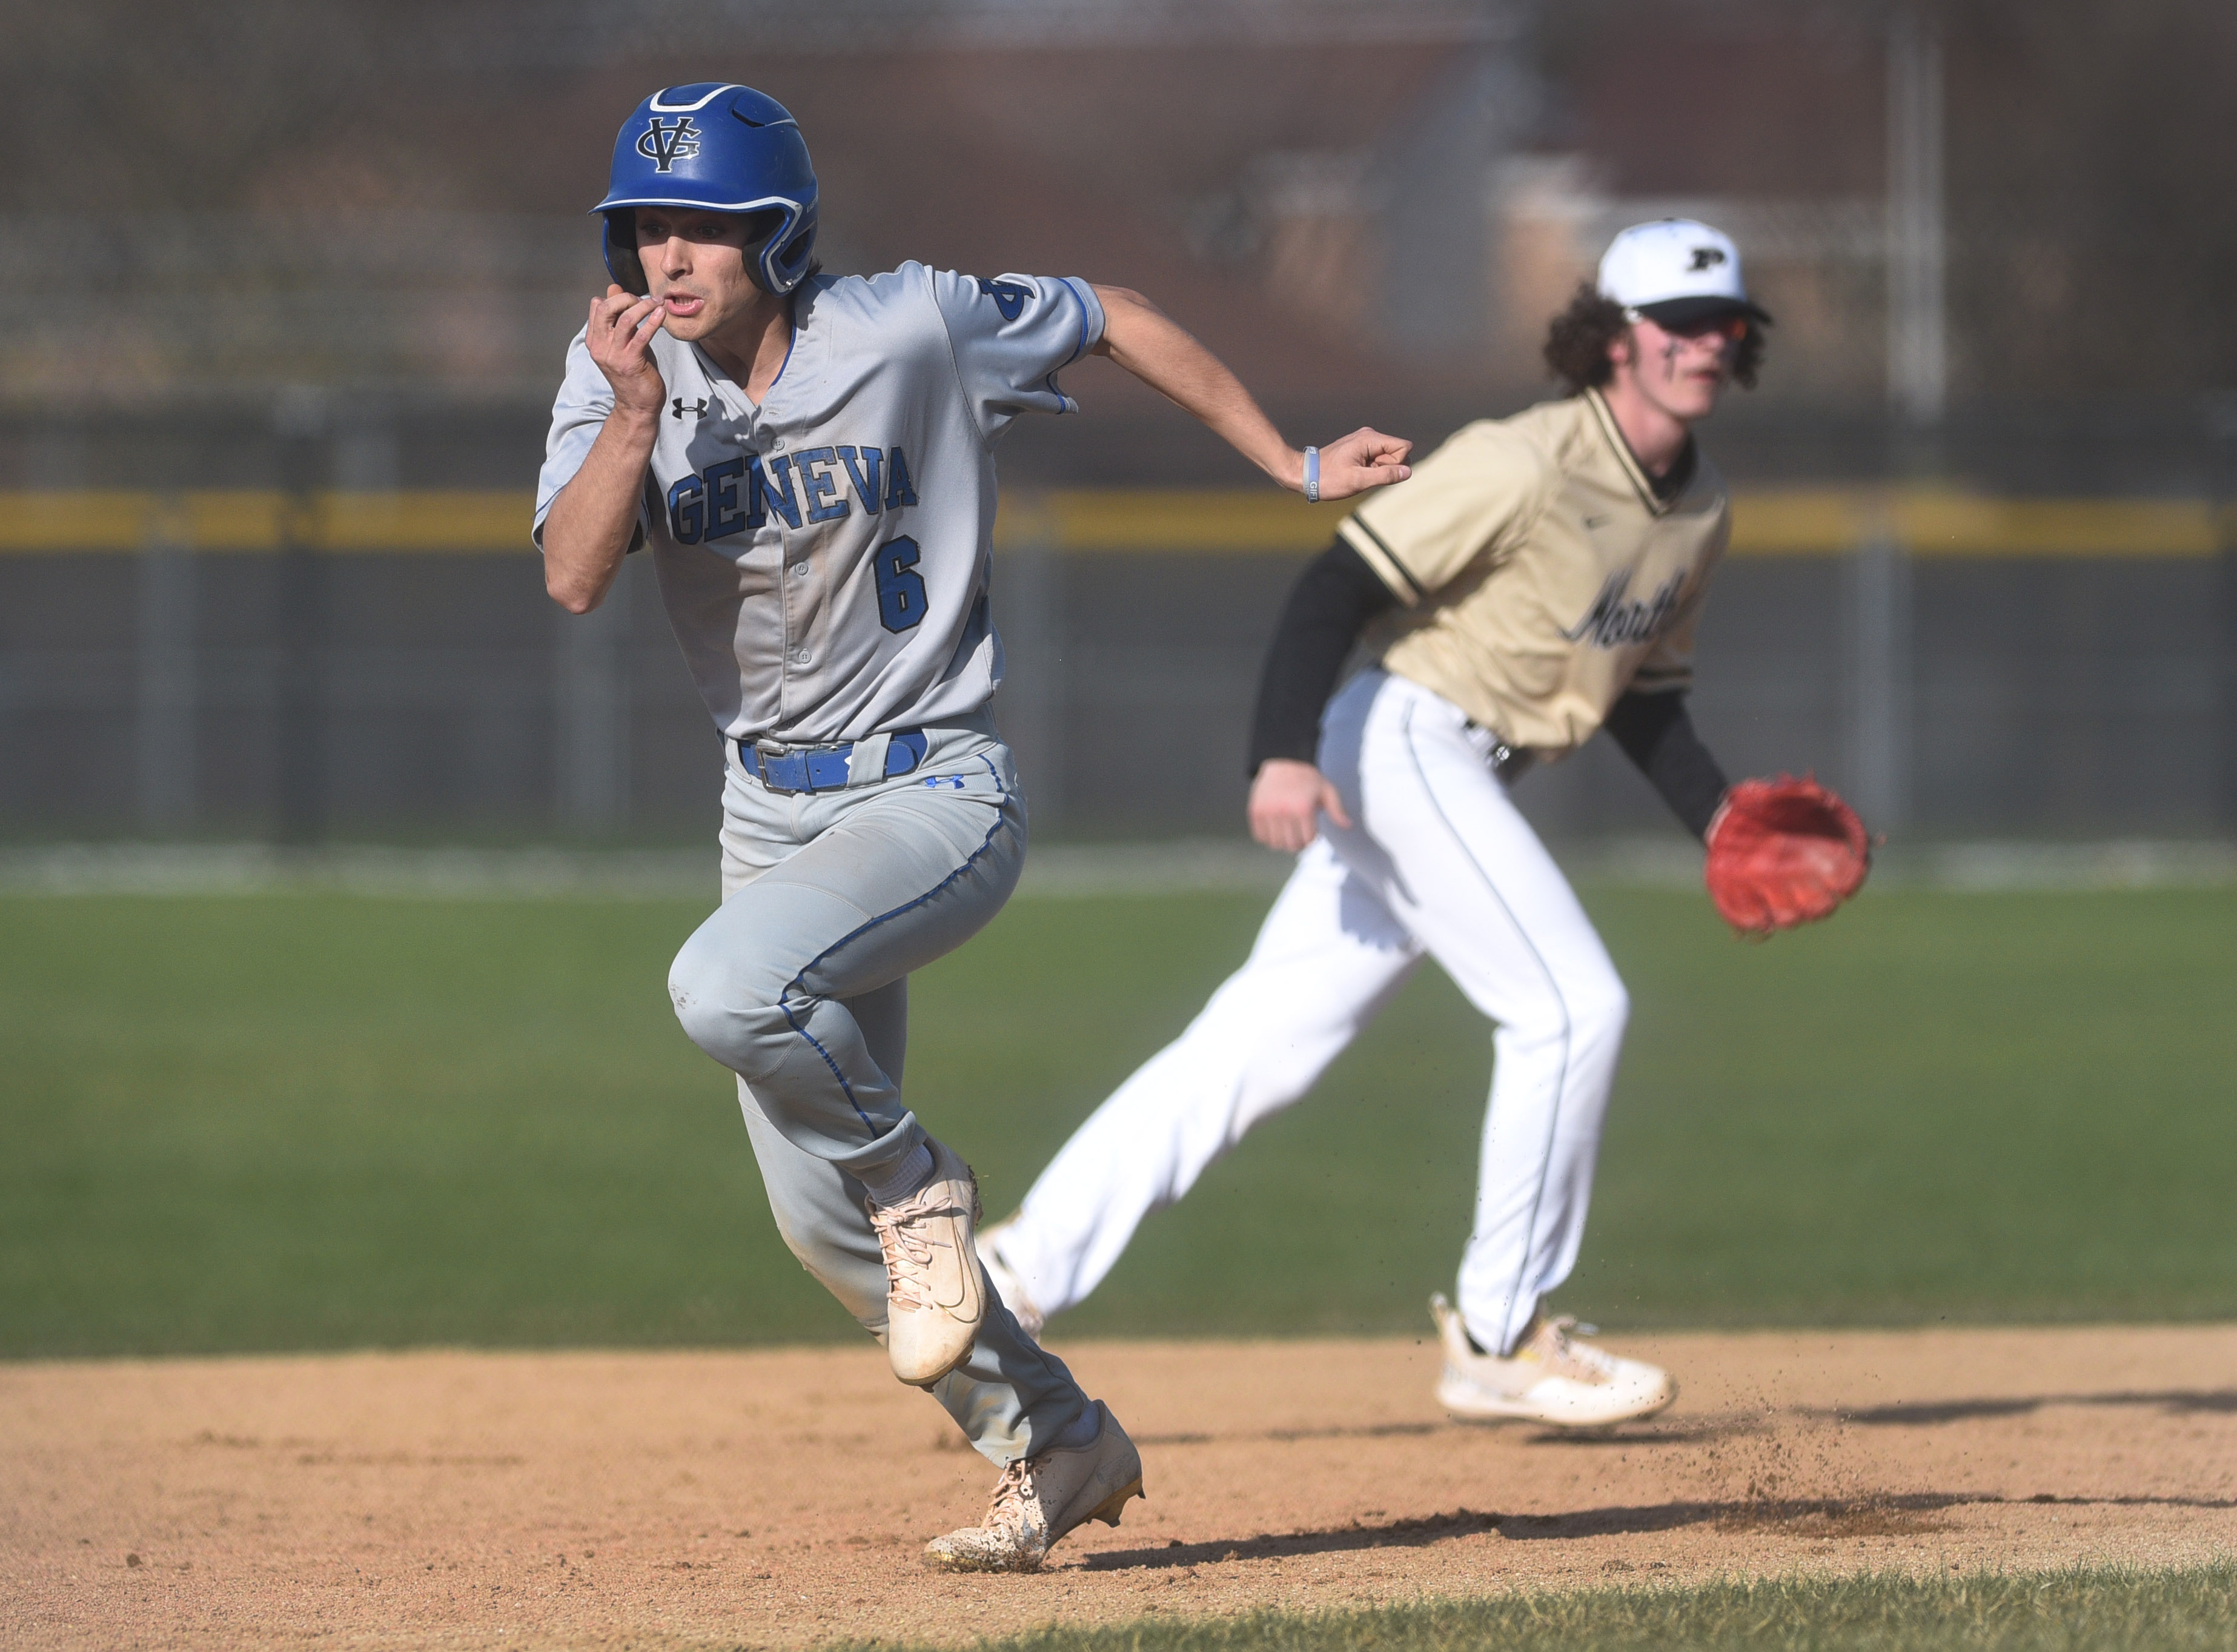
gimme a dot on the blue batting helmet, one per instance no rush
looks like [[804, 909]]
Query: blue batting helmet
[[723, 148]]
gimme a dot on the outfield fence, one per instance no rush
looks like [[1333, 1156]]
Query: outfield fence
[[307, 663]]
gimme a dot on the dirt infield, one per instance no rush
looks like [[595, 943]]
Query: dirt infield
[[780, 1498]]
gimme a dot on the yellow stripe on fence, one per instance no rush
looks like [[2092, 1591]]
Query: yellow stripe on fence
[[448, 520], [1217, 521], [1211, 522], [1962, 525]]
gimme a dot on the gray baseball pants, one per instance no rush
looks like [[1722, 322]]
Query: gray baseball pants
[[799, 984]]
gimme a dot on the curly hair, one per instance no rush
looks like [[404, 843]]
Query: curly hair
[[1577, 343]]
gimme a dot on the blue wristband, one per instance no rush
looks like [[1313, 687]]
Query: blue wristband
[[1312, 476]]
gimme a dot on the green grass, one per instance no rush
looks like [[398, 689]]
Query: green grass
[[321, 1121], [2064, 1611]]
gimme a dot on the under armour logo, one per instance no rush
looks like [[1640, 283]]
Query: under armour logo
[[664, 145], [1704, 257], [696, 408]]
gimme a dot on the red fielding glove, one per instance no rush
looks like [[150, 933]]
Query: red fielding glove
[[1784, 852]]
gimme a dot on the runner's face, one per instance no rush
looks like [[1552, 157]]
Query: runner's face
[[694, 266], [1681, 372]]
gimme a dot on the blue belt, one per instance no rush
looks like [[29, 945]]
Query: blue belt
[[824, 768]]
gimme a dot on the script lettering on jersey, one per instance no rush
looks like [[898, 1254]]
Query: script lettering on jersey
[[1009, 296], [664, 145], [739, 495], [1614, 622]]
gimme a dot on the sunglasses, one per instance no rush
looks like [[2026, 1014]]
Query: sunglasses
[[1731, 328]]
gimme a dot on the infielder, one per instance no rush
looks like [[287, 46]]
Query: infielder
[[811, 460], [1538, 578]]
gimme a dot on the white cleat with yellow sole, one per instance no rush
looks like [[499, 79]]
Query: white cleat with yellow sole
[[1553, 1376]]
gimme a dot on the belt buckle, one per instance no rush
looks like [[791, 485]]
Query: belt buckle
[[789, 773], [784, 772]]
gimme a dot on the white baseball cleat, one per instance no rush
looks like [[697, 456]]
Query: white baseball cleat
[[1007, 1285], [935, 1295], [1552, 1377], [1038, 1499]]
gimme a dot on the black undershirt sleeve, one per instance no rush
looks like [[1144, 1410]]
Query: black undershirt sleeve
[[1656, 734], [1333, 600]]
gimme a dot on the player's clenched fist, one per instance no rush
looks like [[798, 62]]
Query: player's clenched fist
[[620, 342], [1364, 459]]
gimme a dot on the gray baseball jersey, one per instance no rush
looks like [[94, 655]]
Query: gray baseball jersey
[[825, 556]]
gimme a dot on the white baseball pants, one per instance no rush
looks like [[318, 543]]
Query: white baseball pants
[[1438, 862]]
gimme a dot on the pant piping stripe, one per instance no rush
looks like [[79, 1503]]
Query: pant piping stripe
[[798, 982], [1561, 1082]]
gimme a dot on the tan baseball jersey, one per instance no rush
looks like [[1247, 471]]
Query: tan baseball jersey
[[1539, 574]]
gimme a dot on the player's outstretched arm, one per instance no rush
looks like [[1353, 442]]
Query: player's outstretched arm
[[1146, 341], [588, 530]]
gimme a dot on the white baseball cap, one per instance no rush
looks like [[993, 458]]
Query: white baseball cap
[[1674, 271]]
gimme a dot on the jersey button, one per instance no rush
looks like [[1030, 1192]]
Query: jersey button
[[801, 658], [799, 570], [777, 445]]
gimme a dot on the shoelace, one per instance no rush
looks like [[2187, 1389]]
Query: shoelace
[[907, 1251], [1008, 1507], [1555, 1348]]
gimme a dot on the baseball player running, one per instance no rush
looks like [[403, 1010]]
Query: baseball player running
[[1538, 578], [811, 460]]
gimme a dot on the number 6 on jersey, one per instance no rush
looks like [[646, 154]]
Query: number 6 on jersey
[[901, 588]]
